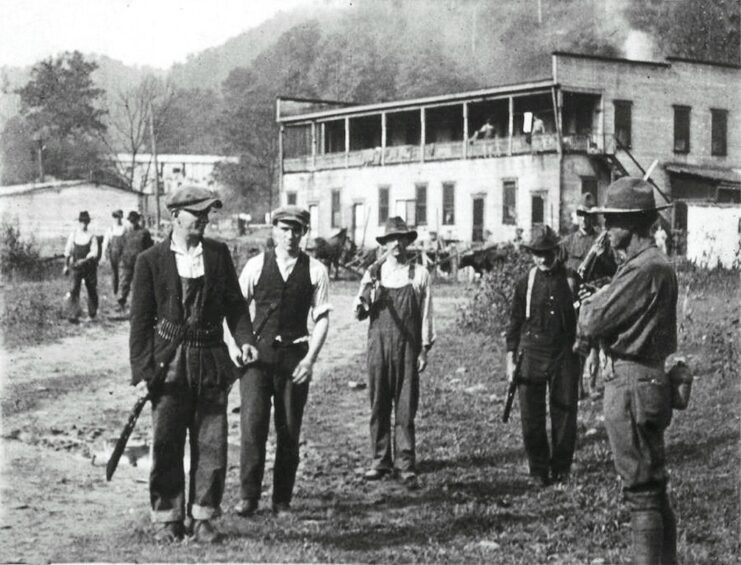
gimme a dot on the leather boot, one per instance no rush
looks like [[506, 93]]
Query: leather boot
[[669, 547], [204, 532], [648, 536]]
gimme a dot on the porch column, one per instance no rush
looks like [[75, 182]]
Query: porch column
[[511, 123], [422, 135], [313, 146], [383, 138], [556, 97], [347, 142], [281, 131], [465, 130]]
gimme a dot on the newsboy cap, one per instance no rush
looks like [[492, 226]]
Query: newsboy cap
[[193, 198], [84, 216], [629, 195], [292, 213], [117, 214], [542, 238], [396, 228]]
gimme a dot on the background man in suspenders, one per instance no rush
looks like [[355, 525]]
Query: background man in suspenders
[[113, 245], [286, 284], [398, 299], [541, 327], [81, 254]]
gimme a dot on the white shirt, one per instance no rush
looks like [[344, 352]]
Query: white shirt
[[114, 231], [396, 275], [79, 237], [189, 261]]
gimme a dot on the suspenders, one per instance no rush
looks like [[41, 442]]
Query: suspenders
[[528, 296]]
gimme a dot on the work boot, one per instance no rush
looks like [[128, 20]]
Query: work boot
[[247, 507], [204, 532], [669, 547], [168, 532], [281, 509], [648, 536]]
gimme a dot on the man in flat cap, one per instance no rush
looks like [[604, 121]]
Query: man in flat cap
[[397, 298], [184, 288], [81, 255], [635, 319], [113, 245], [136, 240], [540, 336], [286, 285]]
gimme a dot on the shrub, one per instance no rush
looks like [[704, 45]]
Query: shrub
[[16, 255], [488, 310]]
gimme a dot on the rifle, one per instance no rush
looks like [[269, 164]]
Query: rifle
[[511, 390]]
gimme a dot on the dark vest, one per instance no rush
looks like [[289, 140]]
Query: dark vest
[[282, 307]]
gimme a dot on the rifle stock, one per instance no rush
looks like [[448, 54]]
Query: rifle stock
[[125, 434]]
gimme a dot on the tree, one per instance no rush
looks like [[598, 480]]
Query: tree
[[17, 153], [62, 108]]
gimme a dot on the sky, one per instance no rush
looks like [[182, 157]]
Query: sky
[[156, 33]]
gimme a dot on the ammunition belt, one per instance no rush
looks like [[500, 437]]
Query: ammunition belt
[[199, 337]]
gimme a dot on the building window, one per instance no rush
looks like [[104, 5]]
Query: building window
[[421, 204], [681, 129], [623, 122], [719, 132], [448, 203], [589, 186], [336, 215], [383, 204], [291, 198], [509, 202]]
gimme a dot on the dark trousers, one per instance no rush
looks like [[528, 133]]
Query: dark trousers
[[561, 388], [262, 384], [187, 406], [89, 274], [127, 275], [114, 275]]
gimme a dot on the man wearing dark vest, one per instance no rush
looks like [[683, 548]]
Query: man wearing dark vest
[[81, 254], [285, 284]]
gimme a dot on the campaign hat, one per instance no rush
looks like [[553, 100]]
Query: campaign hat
[[292, 213], [629, 195], [586, 204], [542, 238], [396, 228], [117, 214], [84, 216], [193, 198]]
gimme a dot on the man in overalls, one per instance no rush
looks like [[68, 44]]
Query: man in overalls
[[541, 330], [136, 239], [184, 288], [81, 255], [635, 319], [286, 285], [113, 245], [398, 299]]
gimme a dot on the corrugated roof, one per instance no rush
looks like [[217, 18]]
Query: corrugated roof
[[720, 174]]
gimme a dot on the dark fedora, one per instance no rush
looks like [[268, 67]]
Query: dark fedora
[[295, 214], [133, 216], [84, 216], [396, 228], [117, 214], [586, 204], [192, 198], [542, 238], [629, 195]]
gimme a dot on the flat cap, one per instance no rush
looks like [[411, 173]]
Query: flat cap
[[292, 214], [195, 198]]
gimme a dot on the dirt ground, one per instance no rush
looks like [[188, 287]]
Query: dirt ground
[[65, 402]]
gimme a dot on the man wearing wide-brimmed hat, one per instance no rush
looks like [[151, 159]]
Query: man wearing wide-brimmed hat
[[287, 286], [540, 336], [136, 240], [184, 288], [635, 320], [81, 254], [395, 293]]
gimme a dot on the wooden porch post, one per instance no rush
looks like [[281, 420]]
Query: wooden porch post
[[511, 123], [423, 134], [383, 138], [313, 146], [557, 104], [465, 130], [347, 142]]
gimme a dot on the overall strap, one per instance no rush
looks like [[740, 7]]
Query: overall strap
[[530, 282], [411, 271]]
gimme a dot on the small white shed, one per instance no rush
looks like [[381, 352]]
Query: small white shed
[[714, 234]]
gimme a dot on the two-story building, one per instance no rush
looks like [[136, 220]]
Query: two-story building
[[508, 157]]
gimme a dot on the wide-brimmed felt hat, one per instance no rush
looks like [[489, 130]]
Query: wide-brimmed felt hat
[[193, 198], [586, 204], [133, 216], [292, 213], [542, 238], [117, 214], [396, 228], [629, 195], [84, 216]]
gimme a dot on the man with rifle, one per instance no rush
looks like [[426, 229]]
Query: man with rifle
[[635, 320], [540, 335], [183, 289]]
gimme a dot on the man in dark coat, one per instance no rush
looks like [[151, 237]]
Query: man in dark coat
[[286, 286], [635, 319], [135, 240], [184, 288], [541, 330]]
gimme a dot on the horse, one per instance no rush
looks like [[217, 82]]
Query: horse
[[338, 249]]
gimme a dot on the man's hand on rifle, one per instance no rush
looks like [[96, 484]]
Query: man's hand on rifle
[[511, 366], [142, 388], [422, 360], [248, 354], [585, 291]]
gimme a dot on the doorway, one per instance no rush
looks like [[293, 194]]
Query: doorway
[[478, 219], [537, 213]]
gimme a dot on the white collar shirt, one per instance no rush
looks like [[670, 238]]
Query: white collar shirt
[[189, 261]]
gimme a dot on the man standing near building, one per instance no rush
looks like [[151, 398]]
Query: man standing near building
[[635, 318], [136, 240], [113, 246], [81, 255], [398, 299], [540, 336], [286, 285], [184, 288]]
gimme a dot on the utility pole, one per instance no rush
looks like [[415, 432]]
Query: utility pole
[[156, 168], [40, 151]]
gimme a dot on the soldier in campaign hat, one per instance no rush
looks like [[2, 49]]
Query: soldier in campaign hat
[[396, 295], [184, 288], [635, 320], [540, 335], [81, 255], [287, 286]]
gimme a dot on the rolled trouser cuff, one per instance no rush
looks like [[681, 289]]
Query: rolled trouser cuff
[[204, 512], [174, 515]]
